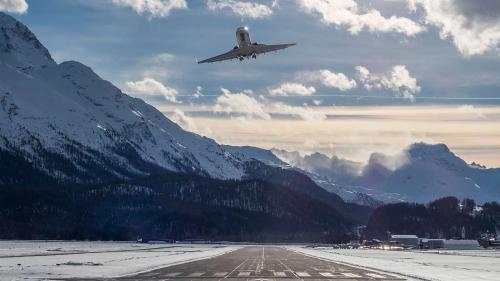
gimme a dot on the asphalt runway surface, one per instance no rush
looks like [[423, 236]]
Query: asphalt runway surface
[[260, 263]]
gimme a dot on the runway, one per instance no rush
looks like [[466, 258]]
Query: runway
[[260, 263]]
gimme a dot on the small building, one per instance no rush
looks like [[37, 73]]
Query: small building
[[407, 241], [432, 244]]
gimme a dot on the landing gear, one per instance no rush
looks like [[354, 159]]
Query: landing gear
[[254, 56], [241, 58]]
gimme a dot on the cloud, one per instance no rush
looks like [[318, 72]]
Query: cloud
[[240, 103], [330, 79], [472, 110], [150, 87], [186, 122], [161, 58], [155, 8], [160, 67], [244, 104], [399, 80], [303, 112], [244, 9], [199, 92], [14, 6], [287, 89], [317, 102], [346, 13], [473, 25]]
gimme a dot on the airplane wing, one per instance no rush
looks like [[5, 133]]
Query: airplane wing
[[262, 48], [233, 54]]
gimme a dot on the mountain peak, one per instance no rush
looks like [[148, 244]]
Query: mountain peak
[[20, 48], [426, 149]]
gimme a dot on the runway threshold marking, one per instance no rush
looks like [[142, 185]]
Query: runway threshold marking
[[236, 268], [279, 274], [244, 273], [375, 275], [303, 274], [326, 274], [349, 274], [220, 274], [289, 269], [196, 274]]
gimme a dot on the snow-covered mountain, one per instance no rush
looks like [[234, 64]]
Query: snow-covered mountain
[[421, 173], [68, 122], [433, 171]]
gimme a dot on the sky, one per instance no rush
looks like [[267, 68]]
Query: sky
[[365, 76]]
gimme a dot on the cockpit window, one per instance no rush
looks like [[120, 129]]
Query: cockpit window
[[242, 37]]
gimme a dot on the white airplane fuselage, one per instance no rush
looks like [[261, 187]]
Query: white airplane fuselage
[[247, 49], [243, 37]]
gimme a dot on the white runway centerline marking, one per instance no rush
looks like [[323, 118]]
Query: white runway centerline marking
[[220, 274], [348, 274], [244, 273], [279, 274], [196, 274], [326, 274], [375, 275], [303, 274]]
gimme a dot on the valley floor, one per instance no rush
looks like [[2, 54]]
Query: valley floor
[[56, 260]]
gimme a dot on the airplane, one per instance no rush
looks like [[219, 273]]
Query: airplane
[[245, 48]]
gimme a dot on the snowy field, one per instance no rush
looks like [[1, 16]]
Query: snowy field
[[443, 265], [48, 260], [42, 260]]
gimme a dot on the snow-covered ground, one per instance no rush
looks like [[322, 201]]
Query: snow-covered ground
[[43, 260], [453, 265]]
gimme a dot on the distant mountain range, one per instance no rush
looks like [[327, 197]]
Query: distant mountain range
[[421, 173]]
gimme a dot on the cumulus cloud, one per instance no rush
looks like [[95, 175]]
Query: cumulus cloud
[[287, 89], [244, 9], [399, 80], [245, 105], [14, 6], [346, 13], [473, 25], [240, 103], [330, 79], [150, 87], [154, 8]]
